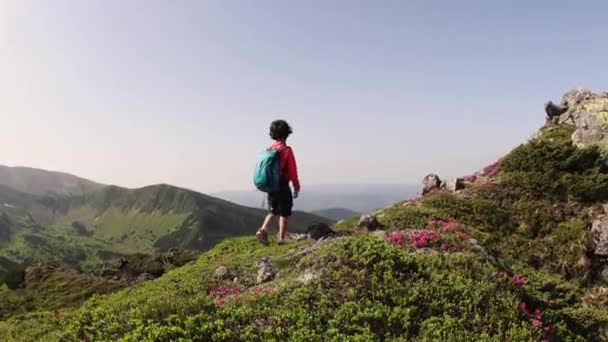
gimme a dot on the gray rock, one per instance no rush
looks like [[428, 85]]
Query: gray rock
[[299, 237], [604, 273], [145, 277], [588, 112], [554, 111], [266, 270], [454, 184], [599, 231], [369, 222], [307, 276], [429, 183], [222, 273], [319, 230]]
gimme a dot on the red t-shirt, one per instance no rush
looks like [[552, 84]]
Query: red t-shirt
[[287, 160]]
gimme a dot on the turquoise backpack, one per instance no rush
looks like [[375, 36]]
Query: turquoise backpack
[[267, 173]]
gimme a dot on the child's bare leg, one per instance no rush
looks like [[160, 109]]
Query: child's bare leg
[[283, 220], [267, 221]]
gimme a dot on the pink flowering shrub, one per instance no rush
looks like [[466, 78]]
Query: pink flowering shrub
[[396, 238], [490, 171], [423, 237], [536, 319], [222, 293], [260, 291], [519, 281]]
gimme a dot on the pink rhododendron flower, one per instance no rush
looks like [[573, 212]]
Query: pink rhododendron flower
[[221, 301], [445, 246], [518, 280], [422, 238], [396, 238], [524, 309], [537, 323], [538, 314], [547, 328]]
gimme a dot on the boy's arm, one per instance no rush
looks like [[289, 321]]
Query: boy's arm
[[292, 171]]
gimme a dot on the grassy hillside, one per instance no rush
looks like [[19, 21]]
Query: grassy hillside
[[42, 182], [505, 259], [84, 231]]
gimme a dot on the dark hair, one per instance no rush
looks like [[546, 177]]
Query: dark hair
[[280, 130]]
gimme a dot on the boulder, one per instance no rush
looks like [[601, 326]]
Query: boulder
[[319, 230], [599, 231], [429, 183], [454, 184], [266, 270], [587, 111], [222, 273], [368, 222], [554, 111]]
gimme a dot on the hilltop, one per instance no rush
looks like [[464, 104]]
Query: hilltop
[[515, 252], [41, 182]]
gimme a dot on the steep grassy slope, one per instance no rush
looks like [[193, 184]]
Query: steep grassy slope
[[42, 182], [505, 259]]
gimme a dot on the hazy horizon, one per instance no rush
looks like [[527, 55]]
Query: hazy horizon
[[144, 92]]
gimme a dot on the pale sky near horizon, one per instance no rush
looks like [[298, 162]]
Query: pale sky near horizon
[[182, 92]]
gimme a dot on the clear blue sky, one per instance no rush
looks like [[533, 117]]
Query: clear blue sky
[[182, 92]]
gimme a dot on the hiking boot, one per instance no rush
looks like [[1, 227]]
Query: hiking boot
[[262, 237], [281, 242]]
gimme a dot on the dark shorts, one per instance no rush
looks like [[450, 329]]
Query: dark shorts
[[281, 202]]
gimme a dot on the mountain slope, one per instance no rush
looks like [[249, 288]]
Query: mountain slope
[[42, 182], [336, 214], [509, 257], [83, 231]]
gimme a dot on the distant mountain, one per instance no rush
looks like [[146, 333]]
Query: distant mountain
[[356, 197], [83, 231], [41, 182], [336, 214]]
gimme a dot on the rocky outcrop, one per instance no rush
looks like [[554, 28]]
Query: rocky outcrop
[[429, 183], [454, 184], [266, 270], [587, 111]]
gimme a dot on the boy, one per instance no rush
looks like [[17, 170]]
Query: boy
[[281, 202]]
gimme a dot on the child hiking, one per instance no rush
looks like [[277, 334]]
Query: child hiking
[[276, 168]]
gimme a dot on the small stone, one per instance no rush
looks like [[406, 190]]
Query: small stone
[[299, 237], [222, 273], [266, 270], [145, 277]]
